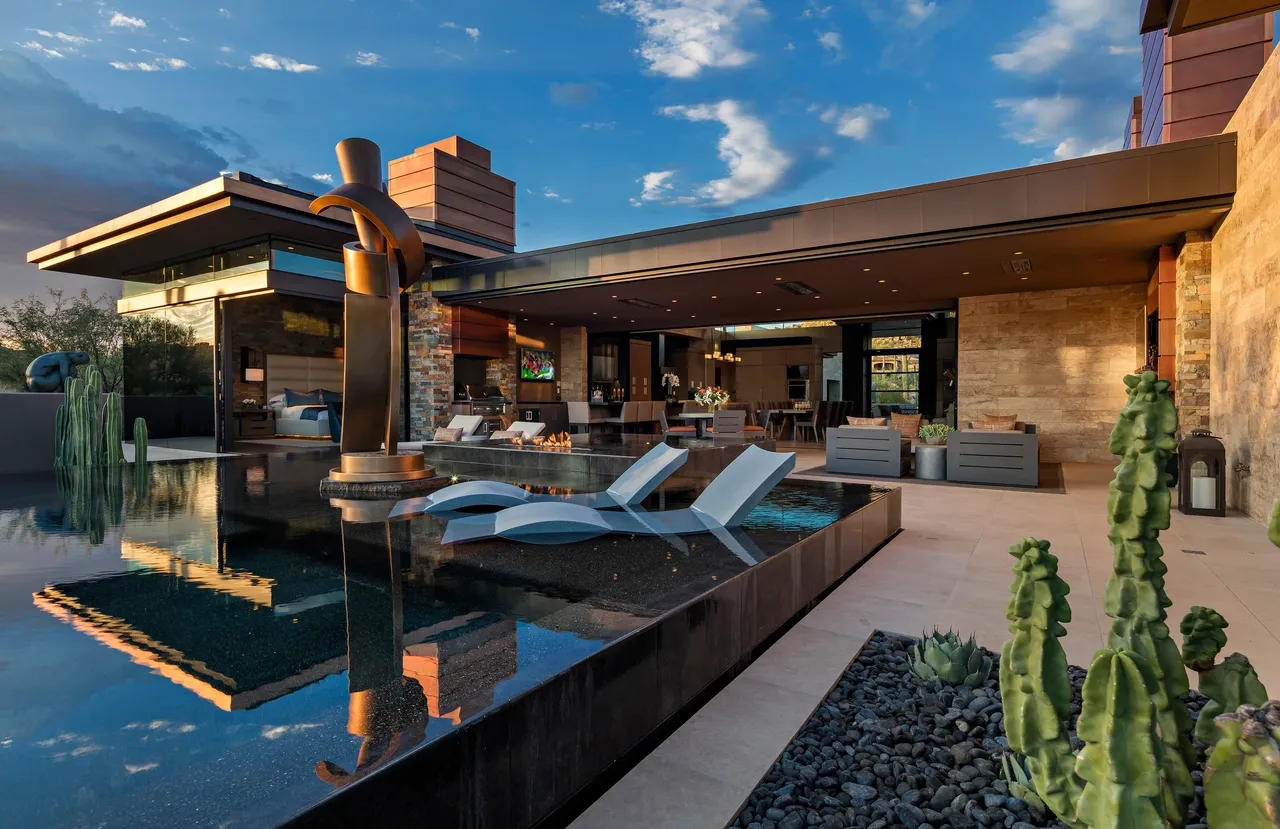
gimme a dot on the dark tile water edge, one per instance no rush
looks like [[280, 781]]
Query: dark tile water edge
[[885, 750]]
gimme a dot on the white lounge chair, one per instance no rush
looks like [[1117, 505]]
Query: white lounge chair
[[631, 487], [468, 424], [726, 501], [530, 430]]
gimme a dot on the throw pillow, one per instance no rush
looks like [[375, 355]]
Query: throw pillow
[[909, 425], [506, 434], [865, 421], [999, 418], [327, 396], [992, 426], [447, 435], [302, 398]]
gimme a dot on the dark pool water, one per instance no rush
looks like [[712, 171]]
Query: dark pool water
[[213, 645]]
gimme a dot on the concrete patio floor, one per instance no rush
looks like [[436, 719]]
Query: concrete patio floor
[[949, 567]]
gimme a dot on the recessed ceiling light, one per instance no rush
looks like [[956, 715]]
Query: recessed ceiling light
[[526, 319], [615, 296], [866, 270], [553, 323], [882, 281], [290, 247], [693, 316], [593, 313], [522, 310], [1017, 253], [894, 290], [1024, 277], [668, 310], [675, 300], [777, 309], [615, 317], [633, 320], [817, 297], [759, 292], [713, 296], [866, 302], [964, 273]]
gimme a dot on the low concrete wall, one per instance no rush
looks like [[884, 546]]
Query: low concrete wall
[[26, 431]]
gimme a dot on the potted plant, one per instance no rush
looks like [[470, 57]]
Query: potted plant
[[935, 434], [712, 397], [671, 382]]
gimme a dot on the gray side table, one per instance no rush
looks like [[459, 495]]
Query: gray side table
[[931, 462]]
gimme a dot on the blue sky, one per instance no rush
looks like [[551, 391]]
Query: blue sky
[[611, 115]]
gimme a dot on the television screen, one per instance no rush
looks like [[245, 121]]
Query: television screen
[[537, 365]]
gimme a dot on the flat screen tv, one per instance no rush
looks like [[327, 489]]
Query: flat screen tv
[[536, 365]]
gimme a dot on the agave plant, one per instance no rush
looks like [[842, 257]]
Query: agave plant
[[944, 656], [1013, 768]]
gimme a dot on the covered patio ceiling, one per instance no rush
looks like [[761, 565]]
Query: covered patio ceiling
[[1077, 224]]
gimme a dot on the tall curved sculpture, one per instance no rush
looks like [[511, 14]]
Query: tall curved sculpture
[[388, 258]]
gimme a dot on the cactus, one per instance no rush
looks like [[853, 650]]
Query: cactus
[[140, 442], [1013, 769], [60, 437], [1137, 509], [1242, 775], [1034, 685], [1228, 686], [112, 431], [1202, 638], [1122, 759], [945, 657], [1273, 529]]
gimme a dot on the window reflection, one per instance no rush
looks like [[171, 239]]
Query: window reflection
[[295, 257]]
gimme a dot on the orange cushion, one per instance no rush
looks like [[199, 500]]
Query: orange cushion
[[907, 424], [865, 421], [446, 435], [999, 418], [992, 426], [753, 428]]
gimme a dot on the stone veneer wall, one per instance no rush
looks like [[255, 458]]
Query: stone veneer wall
[[504, 373], [430, 360], [1245, 328], [1191, 340], [1054, 358], [573, 364]]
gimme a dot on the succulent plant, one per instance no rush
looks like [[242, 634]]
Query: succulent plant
[[112, 431], [139, 442], [935, 430], [1202, 637], [1013, 769], [946, 657], [87, 433], [1228, 686], [1242, 775]]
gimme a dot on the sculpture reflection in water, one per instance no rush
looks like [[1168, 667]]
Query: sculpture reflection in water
[[388, 258], [406, 688]]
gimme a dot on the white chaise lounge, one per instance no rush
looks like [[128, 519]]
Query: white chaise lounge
[[631, 487], [726, 501]]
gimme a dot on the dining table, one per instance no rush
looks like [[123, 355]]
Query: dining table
[[699, 421]]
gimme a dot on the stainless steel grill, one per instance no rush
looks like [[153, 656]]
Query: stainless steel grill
[[486, 401]]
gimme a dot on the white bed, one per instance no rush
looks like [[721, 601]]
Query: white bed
[[302, 374]]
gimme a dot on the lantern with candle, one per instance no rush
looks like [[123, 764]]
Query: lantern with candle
[[1202, 484]]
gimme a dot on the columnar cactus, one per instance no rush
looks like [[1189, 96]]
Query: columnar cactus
[[1228, 686], [112, 431], [1202, 637], [1137, 509], [1242, 776], [140, 442], [61, 425], [1273, 529], [1121, 762], [1034, 684]]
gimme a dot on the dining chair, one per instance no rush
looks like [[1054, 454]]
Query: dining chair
[[729, 423], [674, 430]]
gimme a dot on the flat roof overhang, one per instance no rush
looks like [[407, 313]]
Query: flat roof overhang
[[217, 214], [250, 284], [1180, 16], [1081, 223]]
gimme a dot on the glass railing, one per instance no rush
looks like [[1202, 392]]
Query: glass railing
[[301, 263]]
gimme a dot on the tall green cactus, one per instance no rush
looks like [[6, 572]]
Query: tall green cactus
[[1034, 685], [1121, 762], [61, 423], [112, 431], [1137, 509], [1228, 686], [1202, 637], [1273, 529], [140, 442], [1242, 775]]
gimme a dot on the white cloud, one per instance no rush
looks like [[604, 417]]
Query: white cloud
[[41, 32], [815, 11], [275, 732], [790, 47], [140, 767], [368, 59], [1069, 27], [224, 12], [855, 122], [157, 65], [1132, 49], [547, 192], [655, 186], [915, 12], [756, 166], [831, 41], [40, 47], [225, 49], [448, 24], [1069, 125], [275, 63], [323, 178], [126, 22], [599, 125], [473, 32], [683, 37]]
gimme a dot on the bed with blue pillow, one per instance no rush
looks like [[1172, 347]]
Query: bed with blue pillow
[[306, 414]]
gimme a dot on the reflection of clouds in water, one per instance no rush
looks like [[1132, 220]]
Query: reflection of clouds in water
[[159, 725], [84, 745], [143, 767], [275, 732]]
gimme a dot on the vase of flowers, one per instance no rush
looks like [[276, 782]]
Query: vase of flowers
[[671, 382], [712, 397], [248, 404]]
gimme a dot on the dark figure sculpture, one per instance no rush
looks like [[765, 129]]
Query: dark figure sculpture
[[49, 372]]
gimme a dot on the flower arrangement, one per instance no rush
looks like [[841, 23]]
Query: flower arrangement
[[935, 434], [671, 382], [248, 403], [711, 397]]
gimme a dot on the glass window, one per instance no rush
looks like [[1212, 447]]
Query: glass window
[[241, 260], [302, 259]]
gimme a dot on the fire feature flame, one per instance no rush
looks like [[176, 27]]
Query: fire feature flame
[[560, 442]]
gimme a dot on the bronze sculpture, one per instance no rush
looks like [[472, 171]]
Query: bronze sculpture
[[388, 258]]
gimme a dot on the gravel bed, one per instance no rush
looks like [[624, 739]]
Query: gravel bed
[[885, 750]]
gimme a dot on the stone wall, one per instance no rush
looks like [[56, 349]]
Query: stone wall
[[1191, 338], [1055, 359], [504, 373], [573, 364], [430, 360], [1245, 328]]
